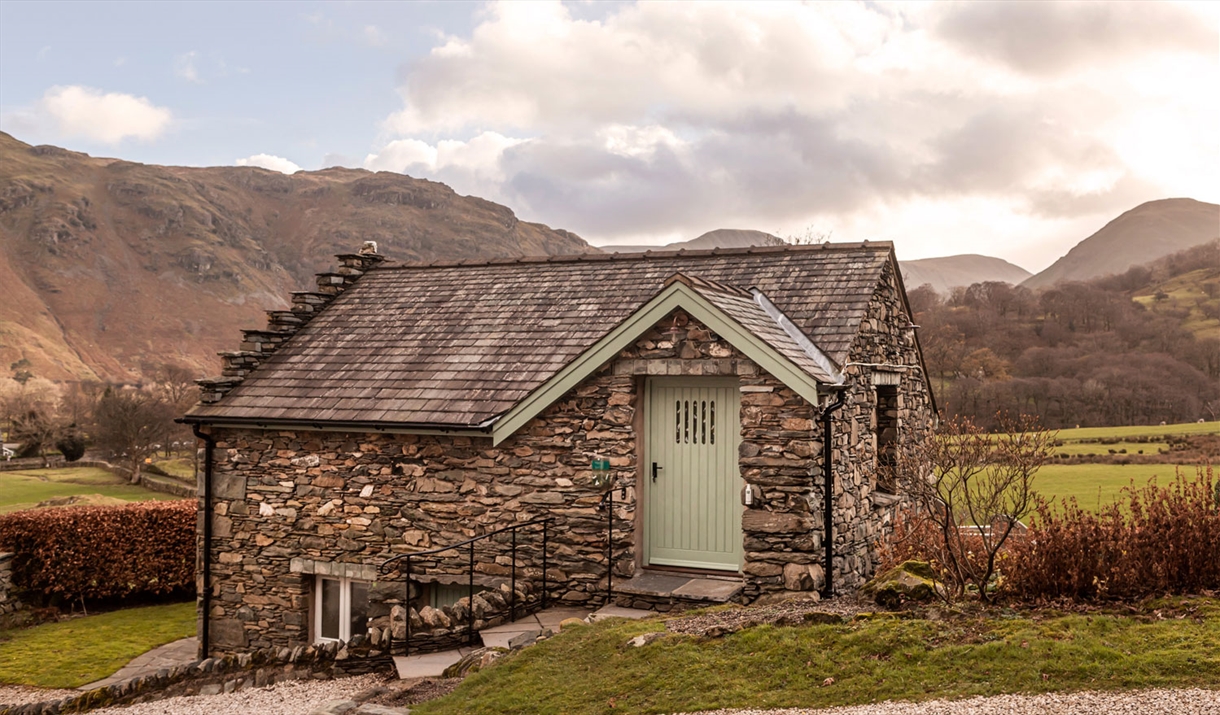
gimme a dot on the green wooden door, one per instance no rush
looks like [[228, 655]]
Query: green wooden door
[[692, 507]]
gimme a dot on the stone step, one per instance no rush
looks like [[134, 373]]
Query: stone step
[[666, 591]]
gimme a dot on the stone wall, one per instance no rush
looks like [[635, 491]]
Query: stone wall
[[361, 498], [8, 598], [864, 515], [228, 674]]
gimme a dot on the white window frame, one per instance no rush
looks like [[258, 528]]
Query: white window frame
[[345, 608]]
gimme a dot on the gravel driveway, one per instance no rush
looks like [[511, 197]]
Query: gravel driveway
[[294, 697], [1132, 702]]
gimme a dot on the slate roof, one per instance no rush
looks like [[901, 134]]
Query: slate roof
[[460, 344]]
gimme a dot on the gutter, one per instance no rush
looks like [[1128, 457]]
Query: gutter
[[205, 635], [828, 484]]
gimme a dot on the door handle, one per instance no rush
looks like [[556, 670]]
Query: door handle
[[655, 469]]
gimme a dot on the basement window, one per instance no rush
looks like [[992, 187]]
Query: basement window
[[341, 608], [887, 438]]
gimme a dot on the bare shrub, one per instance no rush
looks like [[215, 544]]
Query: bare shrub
[[1167, 541], [967, 491]]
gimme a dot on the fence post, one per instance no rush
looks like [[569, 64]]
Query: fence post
[[406, 614], [544, 525], [470, 597], [512, 598]]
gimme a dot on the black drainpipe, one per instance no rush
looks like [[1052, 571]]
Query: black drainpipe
[[828, 483], [205, 635]]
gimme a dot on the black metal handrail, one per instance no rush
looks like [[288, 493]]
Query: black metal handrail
[[607, 503], [406, 571]]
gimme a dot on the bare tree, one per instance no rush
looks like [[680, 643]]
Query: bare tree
[[970, 489], [131, 424]]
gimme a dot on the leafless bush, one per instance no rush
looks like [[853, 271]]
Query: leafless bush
[[967, 492]]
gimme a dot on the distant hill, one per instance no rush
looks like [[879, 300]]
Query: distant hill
[[1139, 236], [945, 274], [719, 238], [106, 264]]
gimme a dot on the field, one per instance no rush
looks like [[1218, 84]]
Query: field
[[26, 488], [1097, 485], [1186, 428]]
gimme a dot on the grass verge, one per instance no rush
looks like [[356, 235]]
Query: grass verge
[[591, 670], [26, 488], [72, 653]]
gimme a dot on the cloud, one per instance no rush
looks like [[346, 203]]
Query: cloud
[[374, 36], [185, 67], [269, 161], [74, 111], [669, 119], [1046, 38]]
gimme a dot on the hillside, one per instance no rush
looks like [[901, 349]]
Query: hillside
[[719, 238], [1139, 236], [945, 274], [108, 264]]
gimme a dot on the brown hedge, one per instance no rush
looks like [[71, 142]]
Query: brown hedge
[[102, 552]]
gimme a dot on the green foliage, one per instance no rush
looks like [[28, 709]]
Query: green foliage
[[72, 653], [71, 445], [75, 553], [590, 670]]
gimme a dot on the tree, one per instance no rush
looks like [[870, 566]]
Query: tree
[[970, 489], [33, 419], [131, 424]]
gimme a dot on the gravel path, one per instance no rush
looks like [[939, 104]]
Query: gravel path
[[20, 695], [294, 697], [1131, 702]]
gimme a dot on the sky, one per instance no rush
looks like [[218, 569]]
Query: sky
[[1008, 129]]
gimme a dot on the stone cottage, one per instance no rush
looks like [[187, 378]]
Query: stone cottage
[[676, 415]]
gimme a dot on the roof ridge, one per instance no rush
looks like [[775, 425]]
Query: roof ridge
[[641, 255]]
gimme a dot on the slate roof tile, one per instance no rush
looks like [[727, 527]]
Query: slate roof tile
[[457, 345]]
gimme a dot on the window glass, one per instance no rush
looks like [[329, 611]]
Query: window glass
[[359, 608], [330, 609]]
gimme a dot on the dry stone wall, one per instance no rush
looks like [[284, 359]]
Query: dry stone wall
[[350, 501]]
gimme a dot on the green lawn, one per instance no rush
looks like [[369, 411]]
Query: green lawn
[[591, 670], [1072, 435], [1098, 485], [182, 468], [71, 653], [24, 489]]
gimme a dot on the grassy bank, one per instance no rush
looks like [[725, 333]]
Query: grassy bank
[[1185, 428], [26, 488], [78, 651], [591, 670]]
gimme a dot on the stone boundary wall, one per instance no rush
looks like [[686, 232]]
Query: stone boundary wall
[[8, 600], [228, 674], [15, 465]]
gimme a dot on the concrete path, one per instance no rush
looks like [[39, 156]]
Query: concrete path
[[169, 655], [432, 665]]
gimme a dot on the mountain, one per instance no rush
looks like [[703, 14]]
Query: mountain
[[719, 238], [108, 264], [1141, 235], [945, 274]]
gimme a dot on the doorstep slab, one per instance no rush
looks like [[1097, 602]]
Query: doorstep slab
[[427, 665], [650, 583], [706, 589], [552, 617]]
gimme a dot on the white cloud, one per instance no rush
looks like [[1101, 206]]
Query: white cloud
[[674, 118], [186, 68], [83, 112], [374, 36], [269, 161]]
